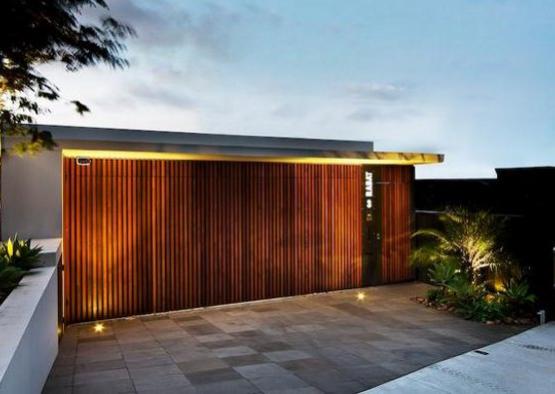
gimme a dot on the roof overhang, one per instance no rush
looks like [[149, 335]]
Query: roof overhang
[[391, 158], [219, 143]]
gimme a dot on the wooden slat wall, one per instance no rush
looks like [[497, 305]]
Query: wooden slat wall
[[145, 236], [397, 222]]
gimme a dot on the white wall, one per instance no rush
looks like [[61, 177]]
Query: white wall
[[29, 332], [32, 195]]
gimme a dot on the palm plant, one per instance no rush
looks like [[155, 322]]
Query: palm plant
[[467, 238], [461, 257]]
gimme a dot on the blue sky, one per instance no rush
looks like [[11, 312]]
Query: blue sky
[[473, 79]]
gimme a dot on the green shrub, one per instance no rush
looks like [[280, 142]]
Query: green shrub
[[19, 253], [9, 278], [462, 289], [444, 272], [465, 260], [472, 301], [517, 297], [436, 295], [481, 309], [16, 257], [441, 274]]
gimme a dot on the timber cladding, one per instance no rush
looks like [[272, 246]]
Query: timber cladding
[[397, 222], [144, 236]]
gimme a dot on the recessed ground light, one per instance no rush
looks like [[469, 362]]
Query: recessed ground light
[[98, 327], [361, 296]]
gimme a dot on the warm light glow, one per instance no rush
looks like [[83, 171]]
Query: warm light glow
[[401, 158], [361, 296], [98, 327], [498, 284]]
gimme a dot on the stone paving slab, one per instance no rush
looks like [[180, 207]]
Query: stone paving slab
[[324, 343]]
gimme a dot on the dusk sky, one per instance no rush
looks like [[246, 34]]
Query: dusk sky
[[473, 79]]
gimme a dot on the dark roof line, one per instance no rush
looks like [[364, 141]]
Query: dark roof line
[[78, 133]]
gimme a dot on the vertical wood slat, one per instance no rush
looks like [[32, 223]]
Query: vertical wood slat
[[148, 236], [397, 223]]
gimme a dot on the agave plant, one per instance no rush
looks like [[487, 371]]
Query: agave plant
[[9, 278], [517, 296], [468, 238], [19, 253], [444, 273], [16, 257]]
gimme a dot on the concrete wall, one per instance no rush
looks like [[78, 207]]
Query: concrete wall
[[32, 195], [29, 327], [29, 340]]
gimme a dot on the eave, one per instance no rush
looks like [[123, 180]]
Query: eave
[[376, 158]]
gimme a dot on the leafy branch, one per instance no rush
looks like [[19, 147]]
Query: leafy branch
[[37, 32]]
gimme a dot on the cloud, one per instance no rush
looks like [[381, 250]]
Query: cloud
[[211, 31], [206, 27], [363, 115], [289, 111], [384, 114], [148, 22], [376, 101], [269, 16], [375, 91], [206, 30], [146, 93]]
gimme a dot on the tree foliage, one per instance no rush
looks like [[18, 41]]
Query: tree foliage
[[37, 32]]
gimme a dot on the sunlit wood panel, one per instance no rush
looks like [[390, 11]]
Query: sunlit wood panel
[[145, 236]]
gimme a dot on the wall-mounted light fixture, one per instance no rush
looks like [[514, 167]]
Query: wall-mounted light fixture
[[83, 161]]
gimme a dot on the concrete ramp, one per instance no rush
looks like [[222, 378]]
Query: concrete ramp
[[524, 363]]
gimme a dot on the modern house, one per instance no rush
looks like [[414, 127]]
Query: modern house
[[156, 221]]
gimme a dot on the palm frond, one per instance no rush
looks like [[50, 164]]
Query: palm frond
[[426, 255], [430, 233]]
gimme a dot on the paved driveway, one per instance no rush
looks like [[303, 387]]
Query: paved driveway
[[329, 343]]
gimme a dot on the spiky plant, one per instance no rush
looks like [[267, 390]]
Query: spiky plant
[[17, 256], [19, 253]]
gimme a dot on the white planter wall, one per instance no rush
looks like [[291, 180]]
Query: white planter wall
[[29, 331]]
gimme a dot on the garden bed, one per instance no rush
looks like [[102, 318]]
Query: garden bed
[[466, 258], [522, 321], [17, 257]]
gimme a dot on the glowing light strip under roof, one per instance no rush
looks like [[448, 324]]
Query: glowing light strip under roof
[[397, 158]]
